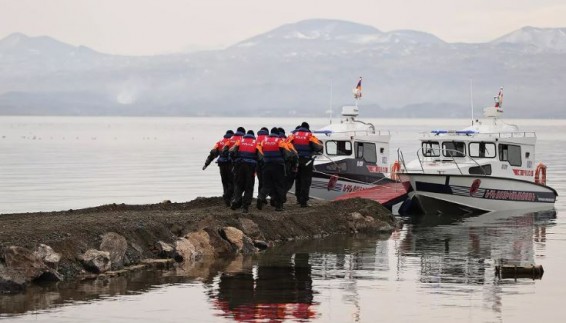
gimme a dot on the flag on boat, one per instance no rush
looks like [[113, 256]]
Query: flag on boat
[[499, 99], [358, 90]]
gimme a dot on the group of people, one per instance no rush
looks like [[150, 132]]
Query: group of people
[[278, 160]]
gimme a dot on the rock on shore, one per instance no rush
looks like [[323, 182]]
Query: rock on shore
[[69, 244]]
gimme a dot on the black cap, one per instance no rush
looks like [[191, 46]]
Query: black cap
[[274, 131], [305, 125], [281, 131], [241, 129], [229, 132], [250, 132], [264, 128]]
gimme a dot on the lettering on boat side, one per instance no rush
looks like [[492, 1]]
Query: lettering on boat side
[[523, 172], [377, 169], [509, 195], [351, 188]]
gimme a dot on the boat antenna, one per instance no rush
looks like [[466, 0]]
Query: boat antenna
[[472, 100]]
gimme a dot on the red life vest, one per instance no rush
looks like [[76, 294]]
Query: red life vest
[[247, 150], [301, 141], [223, 158], [271, 150]]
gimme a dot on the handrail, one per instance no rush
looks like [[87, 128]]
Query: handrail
[[401, 158], [453, 159], [501, 134], [367, 132]]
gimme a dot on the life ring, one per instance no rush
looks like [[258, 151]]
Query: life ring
[[540, 174], [395, 168]]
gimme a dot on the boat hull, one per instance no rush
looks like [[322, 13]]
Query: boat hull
[[327, 187], [439, 193]]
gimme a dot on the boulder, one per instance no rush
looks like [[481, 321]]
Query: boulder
[[48, 256], [201, 241], [185, 251], [360, 223], [164, 249], [116, 245], [96, 261], [251, 229], [20, 266], [260, 244], [242, 243]]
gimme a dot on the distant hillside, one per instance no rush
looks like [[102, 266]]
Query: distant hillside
[[290, 71]]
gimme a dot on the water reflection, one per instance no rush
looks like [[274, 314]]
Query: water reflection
[[462, 252], [274, 289]]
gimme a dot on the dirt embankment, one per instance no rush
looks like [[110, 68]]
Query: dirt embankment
[[72, 233]]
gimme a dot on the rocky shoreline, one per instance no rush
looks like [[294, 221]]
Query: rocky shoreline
[[110, 239]]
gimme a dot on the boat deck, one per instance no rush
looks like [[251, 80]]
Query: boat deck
[[387, 194]]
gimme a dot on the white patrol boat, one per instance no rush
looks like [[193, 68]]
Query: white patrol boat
[[355, 157], [489, 166]]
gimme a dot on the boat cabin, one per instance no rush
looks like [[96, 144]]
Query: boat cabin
[[489, 147], [354, 139]]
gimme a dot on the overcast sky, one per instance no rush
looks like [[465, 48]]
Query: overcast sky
[[139, 27]]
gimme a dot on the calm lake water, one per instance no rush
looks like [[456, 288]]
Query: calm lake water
[[441, 271]]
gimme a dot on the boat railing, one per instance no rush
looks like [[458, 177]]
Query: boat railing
[[472, 133], [451, 154], [401, 159], [353, 132]]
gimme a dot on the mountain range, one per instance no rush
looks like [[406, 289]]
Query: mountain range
[[298, 69]]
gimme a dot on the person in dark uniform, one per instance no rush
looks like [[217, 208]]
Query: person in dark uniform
[[245, 155], [274, 154], [225, 166], [261, 135], [291, 163], [306, 144], [237, 136]]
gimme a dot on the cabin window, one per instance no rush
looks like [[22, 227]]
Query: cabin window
[[510, 153], [431, 149], [338, 148], [454, 149], [480, 170], [482, 149], [367, 151]]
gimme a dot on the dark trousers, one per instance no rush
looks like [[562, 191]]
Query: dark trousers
[[304, 180], [259, 174], [273, 183], [244, 180], [227, 177]]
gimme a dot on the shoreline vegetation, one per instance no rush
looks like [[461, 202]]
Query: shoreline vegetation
[[113, 239]]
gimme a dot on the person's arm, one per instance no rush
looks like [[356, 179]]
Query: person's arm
[[213, 154], [234, 150], [315, 144]]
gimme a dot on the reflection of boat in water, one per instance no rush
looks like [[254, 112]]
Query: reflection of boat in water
[[489, 166], [355, 158], [467, 251]]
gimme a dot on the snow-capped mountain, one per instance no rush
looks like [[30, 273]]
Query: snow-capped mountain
[[537, 39], [289, 70]]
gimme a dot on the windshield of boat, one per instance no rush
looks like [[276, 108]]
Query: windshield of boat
[[454, 149], [510, 153], [366, 151], [338, 148], [431, 149], [482, 149]]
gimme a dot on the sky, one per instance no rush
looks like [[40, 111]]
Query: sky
[[148, 27]]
